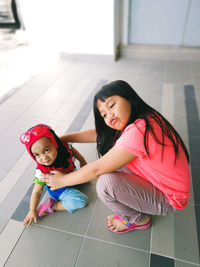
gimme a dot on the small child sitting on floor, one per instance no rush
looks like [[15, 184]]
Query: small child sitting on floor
[[45, 147]]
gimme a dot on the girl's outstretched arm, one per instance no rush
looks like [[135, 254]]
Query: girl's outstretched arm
[[111, 161], [87, 136]]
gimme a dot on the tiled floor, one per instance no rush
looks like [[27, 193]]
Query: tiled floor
[[167, 79]]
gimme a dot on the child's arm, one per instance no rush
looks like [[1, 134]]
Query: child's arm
[[87, 136], [79, 157], [35, 197]]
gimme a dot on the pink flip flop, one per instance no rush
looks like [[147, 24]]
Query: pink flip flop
[[46, 207], [131, 226]]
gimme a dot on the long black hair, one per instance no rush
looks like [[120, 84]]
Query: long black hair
[[106, 136]]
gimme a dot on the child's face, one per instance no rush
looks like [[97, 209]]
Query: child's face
[[44, 151], [115, 111]]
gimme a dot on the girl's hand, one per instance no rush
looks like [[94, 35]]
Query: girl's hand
[[54, 180], [32, 215]]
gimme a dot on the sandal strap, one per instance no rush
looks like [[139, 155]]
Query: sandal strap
[[128, 224]]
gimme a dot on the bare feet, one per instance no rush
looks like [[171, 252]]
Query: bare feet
[[117, 225], [59, 206]]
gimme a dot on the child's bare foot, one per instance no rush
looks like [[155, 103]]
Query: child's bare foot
[[116, 225], [59, 206]]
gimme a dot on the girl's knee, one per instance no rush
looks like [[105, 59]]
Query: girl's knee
[[105, 185]]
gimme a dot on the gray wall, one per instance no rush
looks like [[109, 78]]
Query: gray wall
[[165, 22]]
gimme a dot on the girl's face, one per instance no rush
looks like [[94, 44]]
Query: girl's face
[[115, 111], [44, 151]]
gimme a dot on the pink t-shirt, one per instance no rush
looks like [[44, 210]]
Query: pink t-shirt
[[172, 179]]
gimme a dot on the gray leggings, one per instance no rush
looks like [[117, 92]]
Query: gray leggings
[[131, 197]]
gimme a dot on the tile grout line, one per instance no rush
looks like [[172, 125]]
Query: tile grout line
[[92, 238], [84, 237], [151, 241], [13, 247], [111, 243], [89, 222]]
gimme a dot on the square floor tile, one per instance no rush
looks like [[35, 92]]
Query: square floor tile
[[39, 247], [158, 261], [99, 254], [98, 230], [186, 246], [162, 240]]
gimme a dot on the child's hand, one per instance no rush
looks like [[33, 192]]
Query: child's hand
[[32, 215]]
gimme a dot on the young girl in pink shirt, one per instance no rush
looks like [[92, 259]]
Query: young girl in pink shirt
[[143, 167]]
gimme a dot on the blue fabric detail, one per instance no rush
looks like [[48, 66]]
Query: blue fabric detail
[[55, 194], [72, 199]]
